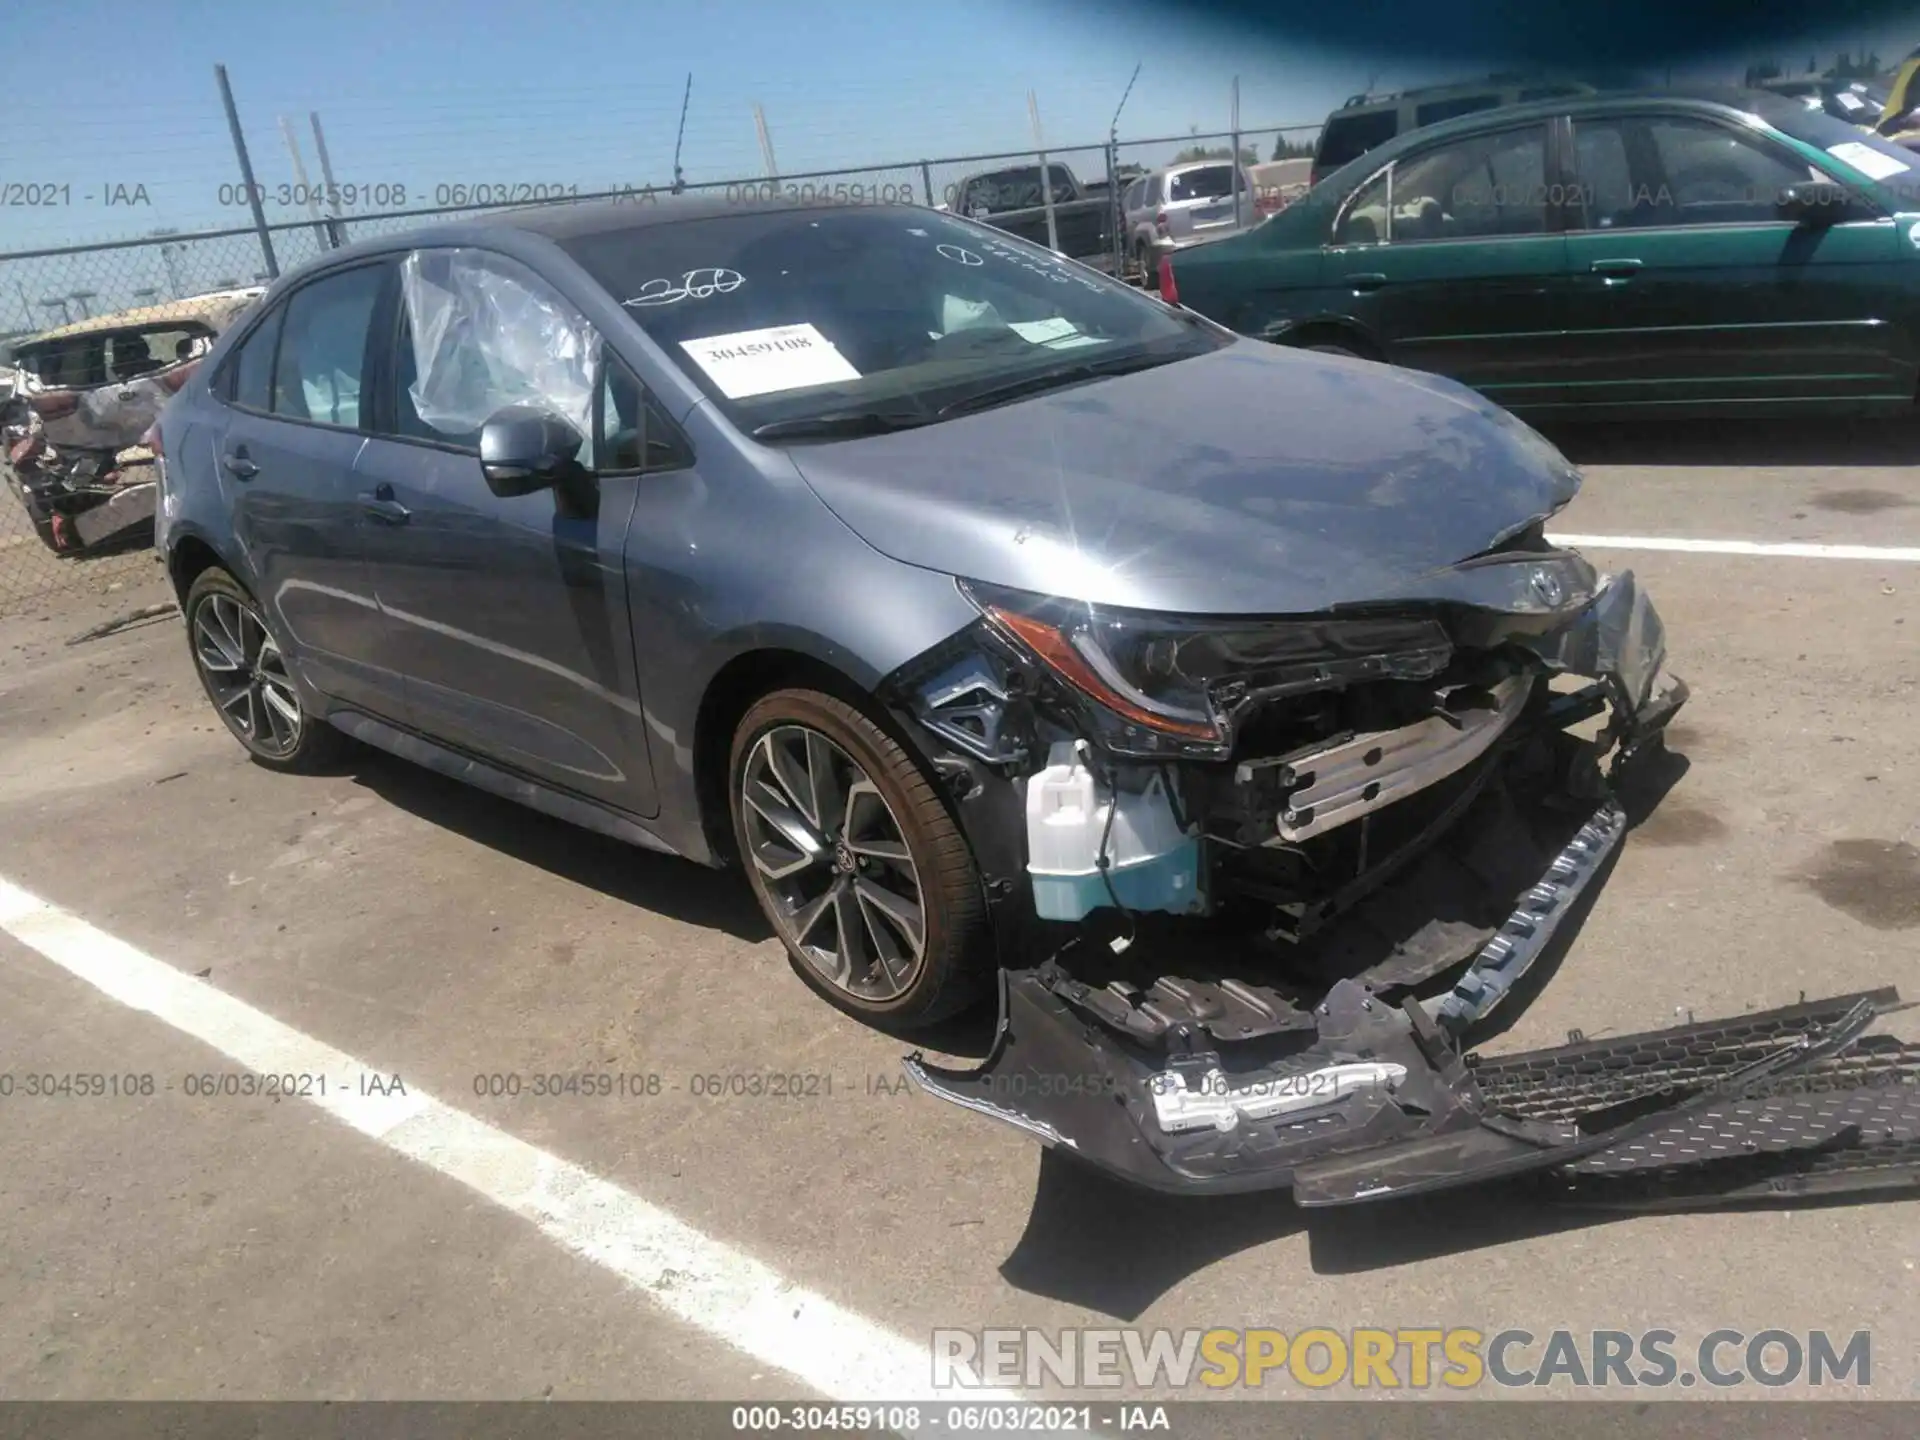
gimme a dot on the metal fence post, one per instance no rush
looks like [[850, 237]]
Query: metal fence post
[[1234, 147], [1046, 174], [336, 227], [926, 183], [300, 179], [246, 173]]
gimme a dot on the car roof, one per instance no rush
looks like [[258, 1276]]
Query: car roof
[[1484, 84], [1194, 165], [1727, 101], [569, 221], [215, 308]]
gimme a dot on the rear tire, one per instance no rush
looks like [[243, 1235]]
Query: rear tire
[[245, 675], [856, 861], [1328, 348]]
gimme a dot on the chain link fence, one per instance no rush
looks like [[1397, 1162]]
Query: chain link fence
[[99, 335]]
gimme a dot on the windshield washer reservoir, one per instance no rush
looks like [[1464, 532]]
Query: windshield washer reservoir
[[1152, 863]]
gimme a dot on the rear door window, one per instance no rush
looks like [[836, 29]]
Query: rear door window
[[1434, 111], [1487, 186], [68, 364], [251, 370], [323, 347], [1606, 179], [1364, 222], [1348, 137], [137, 353]]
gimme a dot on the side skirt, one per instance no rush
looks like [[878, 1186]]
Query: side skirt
[[507, 784]]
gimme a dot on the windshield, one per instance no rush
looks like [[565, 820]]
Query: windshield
[[1015, 189], [1872, 155], [779, 315]]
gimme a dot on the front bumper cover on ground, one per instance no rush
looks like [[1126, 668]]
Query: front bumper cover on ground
[[1384, 1102]]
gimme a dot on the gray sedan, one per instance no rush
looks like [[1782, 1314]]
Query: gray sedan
[[966, 599]]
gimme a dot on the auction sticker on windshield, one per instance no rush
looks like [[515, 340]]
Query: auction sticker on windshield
[[1055, 334], [1867, 160], [759, 362]]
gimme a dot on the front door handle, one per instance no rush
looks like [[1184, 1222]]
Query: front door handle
[[380, 504], [1616, 272], [238, 464], [1367, 280]]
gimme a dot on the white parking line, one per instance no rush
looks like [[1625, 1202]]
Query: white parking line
[[702, 1281], [1898, 553]]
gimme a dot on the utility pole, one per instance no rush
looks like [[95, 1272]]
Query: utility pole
[[1233, 129], [1046, 173], [246, 171], [170, 250], [335, 225], [1116, 211], [680, 180], [766, 141], [300, 179]]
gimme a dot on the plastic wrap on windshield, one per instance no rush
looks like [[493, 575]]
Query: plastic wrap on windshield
[[484, 339]]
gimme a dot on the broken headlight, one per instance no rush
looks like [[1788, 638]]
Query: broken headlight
[[1177, 682]]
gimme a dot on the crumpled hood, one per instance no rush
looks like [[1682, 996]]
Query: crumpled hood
[[1253, 480]]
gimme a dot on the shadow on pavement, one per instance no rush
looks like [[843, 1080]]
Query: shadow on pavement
[[1763, 443], [1111, 1248], [679, 889]]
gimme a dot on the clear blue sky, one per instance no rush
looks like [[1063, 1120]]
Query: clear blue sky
[[427, 93]]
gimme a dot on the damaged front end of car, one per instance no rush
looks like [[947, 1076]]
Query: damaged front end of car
[[1374, 820]]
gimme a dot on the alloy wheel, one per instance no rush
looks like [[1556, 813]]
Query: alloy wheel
[[246, 675], [834, 862]]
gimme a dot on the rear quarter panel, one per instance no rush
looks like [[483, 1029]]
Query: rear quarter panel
[[1263, 282]]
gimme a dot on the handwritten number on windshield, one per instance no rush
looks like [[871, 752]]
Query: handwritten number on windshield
[[694, 285]]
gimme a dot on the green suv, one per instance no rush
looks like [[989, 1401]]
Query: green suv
[[1731, 253]]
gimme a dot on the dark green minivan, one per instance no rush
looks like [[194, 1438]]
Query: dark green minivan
[[1731, 253]]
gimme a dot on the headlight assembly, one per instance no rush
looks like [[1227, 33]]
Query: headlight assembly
[[1176, 682]]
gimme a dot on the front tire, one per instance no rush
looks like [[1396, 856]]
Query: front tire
[[856, 861], [245, 675]]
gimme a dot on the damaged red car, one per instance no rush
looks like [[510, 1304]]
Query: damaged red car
[[80, 399]]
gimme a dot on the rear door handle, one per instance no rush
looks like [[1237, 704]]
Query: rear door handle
[[380, 504], [238, 465], [1367, 280], [1616, 272]]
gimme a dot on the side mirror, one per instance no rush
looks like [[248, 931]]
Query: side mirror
[[1816, 205], [524, 448]]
